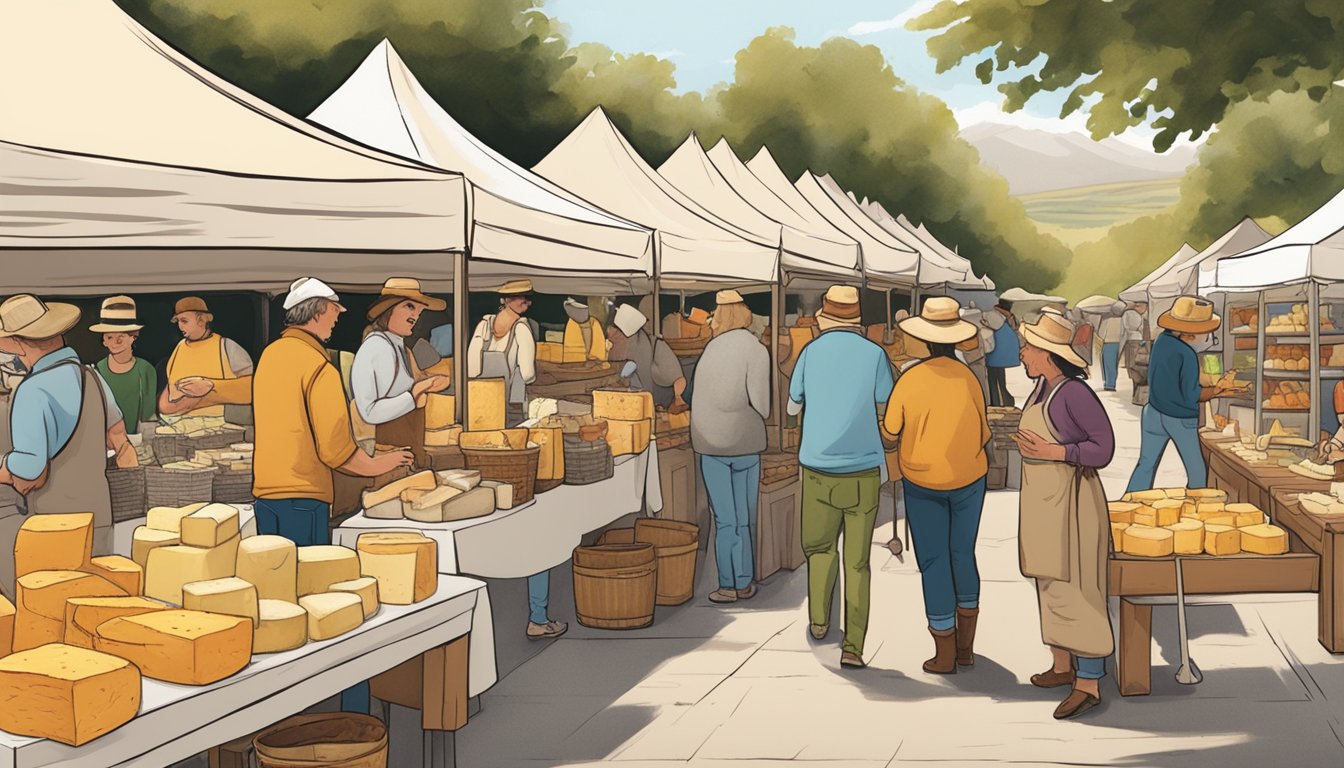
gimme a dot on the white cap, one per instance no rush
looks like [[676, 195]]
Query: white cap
[[629, 320], [306, 288]]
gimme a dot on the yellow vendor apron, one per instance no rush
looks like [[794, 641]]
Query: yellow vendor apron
[[1064, 543], [205, 358]]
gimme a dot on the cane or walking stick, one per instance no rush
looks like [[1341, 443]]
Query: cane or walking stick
[[1188, 674]]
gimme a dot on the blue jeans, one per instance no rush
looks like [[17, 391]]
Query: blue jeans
[[538, 597], [305, 522], [1110, 364], [1158, 430], [943, 528], [733, 484], [1090, 669]]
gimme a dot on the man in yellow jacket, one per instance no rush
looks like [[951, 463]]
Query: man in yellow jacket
[[206, 370], [584, 340]]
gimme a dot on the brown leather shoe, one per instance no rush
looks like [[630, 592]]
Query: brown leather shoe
[[1052, 679], [852, 660], [966, 618], [748, 593], [1076, 704], [547, 630], [944, 661], [723, 596]]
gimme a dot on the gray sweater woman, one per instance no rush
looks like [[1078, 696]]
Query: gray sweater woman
[[731, 396]]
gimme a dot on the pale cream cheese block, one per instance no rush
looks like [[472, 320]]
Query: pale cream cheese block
[[332, 614], [171, 567], [67, 694], [405, 565], [146, 540], [323, 565], [271, 564], [230, 596], [210, 526], [170, 518], [503, 493], [283, 627], [367, 589]]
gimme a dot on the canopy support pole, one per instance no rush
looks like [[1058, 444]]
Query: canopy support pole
[[461, 334], [887, 338], [1314, 323], [1260, 369], [657, 319], [777, 327]]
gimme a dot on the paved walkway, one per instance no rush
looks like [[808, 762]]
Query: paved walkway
[[746, 685]]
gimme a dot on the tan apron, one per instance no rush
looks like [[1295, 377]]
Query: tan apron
[[1064, 544], [407, 430]]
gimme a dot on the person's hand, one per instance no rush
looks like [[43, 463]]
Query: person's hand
[[1033, 446], [195, 386], [394, 460], [126, 458], [430, 384]]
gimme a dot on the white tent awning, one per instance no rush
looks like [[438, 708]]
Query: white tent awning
[[885, 259], [1183, 277], [1139, 290], [1313, 249]]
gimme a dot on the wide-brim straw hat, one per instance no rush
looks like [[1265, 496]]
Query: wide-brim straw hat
[[939, 322], [1053, 333], [1190, 314], [840, 308], [515, 288], [27, 317], [398, 289], [117, 315], [728, 297]]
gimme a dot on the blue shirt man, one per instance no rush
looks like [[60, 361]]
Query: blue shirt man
[[1173, 377], [839, 377], [45, 411]]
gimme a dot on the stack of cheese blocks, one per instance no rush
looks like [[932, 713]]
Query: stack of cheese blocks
[[236, 458], [629, 417], [1176, 521], [441, 427], [551, 352], [438, 497]]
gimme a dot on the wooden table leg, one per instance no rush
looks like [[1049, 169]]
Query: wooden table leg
[[1331, 600], [445, 686], [1134, 658]]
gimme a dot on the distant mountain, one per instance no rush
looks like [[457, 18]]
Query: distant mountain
[[1039, 161]]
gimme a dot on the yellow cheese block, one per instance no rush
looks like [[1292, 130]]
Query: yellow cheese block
[[1206, 509], [283, 627], [210, 526], [622, 406], [551, 352], [230, 596], [678, 420], [551, 462], [179, 646], [1118, 536], [440, 411], [1158, 514], [324, 565], [503, 493], [122, 571], [1144, 497], [1144, 515], [422, 480], [6, 626], [1174, 493], [332, 614], [53, 543], [405, 564], [171, 567], [443, 438], [1207, 494], [1143, 541], [1219, 518], [478, 502], [491, 440], [146, 540], [271, 564], [40, 596], [170, 518], [84, 614], [1264, 539], [1188, 537], [1221, 540], [367, 589], [486, 403], [626, 437], [1246, 515], [67, 694]]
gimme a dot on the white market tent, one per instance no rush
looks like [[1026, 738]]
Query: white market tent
[[940, 266], [122, 161], [519, 220], [1183, 278], [931, 270], [692, 245], [1310, 251], [1139, 290], [885, 259], [1021, 295]]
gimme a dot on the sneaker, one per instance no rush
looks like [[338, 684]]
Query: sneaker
[[748, 593], [819, 631], [723, 595], [852, 660], [549, 629]]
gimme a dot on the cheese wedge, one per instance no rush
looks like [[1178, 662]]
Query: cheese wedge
[[627, 437], [1188, 537], [84, 614], [1221, 540], [405, 564], [461, 479], [486, 404], [1220, 518], [179, 646], [332, 614], [171, 567], [53, 543], [551, 461], [146, 540], [420, 500], [622, 406], [67, 694], [1144, 497], [392, 491], [122, 571], [283, 626], [443, 438], [39, 616], [1264, 539], [1118, 536], [1143, 541], [210, 526], [271, 564], [1162, 513], [324, 565], [440, 411], [1123, 511], [478, 502], [392, 509], [229, 596], [503, 493], [367, 589], [6, 627], [170, 518], [1246, 515]]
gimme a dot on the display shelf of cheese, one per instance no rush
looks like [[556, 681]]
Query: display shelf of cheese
[[1195, 522], [440, 497]]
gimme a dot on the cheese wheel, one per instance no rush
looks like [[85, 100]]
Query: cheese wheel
[[6, 626], [1123, 511], [122, 571], [170, 518], [367, 589], [283, 626], [67, 694], [1207, 494], [405, 564], [171, 567], [622, 406], [628, 437], [146, 540], [84, 614], [179, 646], [332, 614], [325, 564], [53, 543], [1144, 497], [1118, 536], [392, 491], [1264, 539], [271, 564], [39, 616], [1148, 542], [1221, 540], [1188, 537], [230, 596], [210, 526]]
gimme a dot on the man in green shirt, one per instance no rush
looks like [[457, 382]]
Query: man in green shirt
[[133, 381]]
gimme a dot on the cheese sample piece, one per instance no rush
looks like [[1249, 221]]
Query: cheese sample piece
[[229, 596], [1264, 539], [1123, 511], [418, 499], [84, 614], [146, 540], [170, 518], [477, 502], [171, 567], [1188, 537], [283, 626], [367, 589], [179, 646], [122, 571], [503, 493], [461, 479], [1207, 494], [392, 491], [1118, 536], [53, 543], [1145, 497], [6, 626], [324, 565], [392, 509], [39, 616], [485, 404], [210, 526], [1221, 540], [1174, 493], [443, 438], [1246, 515], [440, 411], [551, 461], [1149, 542], [332, 614], [67, 694], [271, 564], [622, 406], [405, 564], [487, 440], [626, 437]]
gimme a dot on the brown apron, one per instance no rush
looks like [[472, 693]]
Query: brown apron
[[408, 430], [1064, 544]]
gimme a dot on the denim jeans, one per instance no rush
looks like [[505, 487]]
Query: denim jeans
[[733, 484], [305, 522], [944, 526], [538, 597], [1158, 430], [1110, 364], [1090, 669], [999, 396]]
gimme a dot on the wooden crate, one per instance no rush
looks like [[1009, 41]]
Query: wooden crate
[[677, 476], [779, 528]]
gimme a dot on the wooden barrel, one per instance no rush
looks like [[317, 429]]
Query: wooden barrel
[[330, 740], [676, 546], [615, 585]]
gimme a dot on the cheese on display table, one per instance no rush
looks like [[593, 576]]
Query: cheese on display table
[[1188, 537], [146, 540], [271, 564], [40, 610], [503, 493], [1148, 542], [283, 627], [443, 438], [179, 646], [627, 437], [477, 502], [551, 461], [392, 491], [1145, 497], [461, 479], [440, 411], [71, 695], [622, 406], [171, 567], [367, 589], [6, 626], [323, 565], [210, 526], [1221, 540], [486, 400], [405, 564], [1123, 511], [170, 518], [332, 614], [1118, 536], [230, 596], [122, 571], [84, 614], [53, 543], [1264, 540], [1246, 515]]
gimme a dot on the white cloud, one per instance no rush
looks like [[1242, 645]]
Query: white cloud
[[896, 22]]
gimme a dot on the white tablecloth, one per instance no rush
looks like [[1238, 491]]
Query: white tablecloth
[[535, 537]]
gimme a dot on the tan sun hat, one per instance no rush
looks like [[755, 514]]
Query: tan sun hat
[[27, 317], [939, 322], [1053, 333], [397, 289], [515, 288], [840, 308], [728, 297], [1190, 314], [191, 304], [117, 315]]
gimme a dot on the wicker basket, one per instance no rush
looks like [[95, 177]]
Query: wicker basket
[[175, 447], [232, 487], [128, 492], [515, 467], [688, 347], [178, 487], [587, 461]]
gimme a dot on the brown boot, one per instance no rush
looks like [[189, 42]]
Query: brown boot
[[966, 618], [944, 661]]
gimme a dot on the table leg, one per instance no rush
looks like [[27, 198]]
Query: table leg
[[445, 686], [1134, 657], [1331, 600]]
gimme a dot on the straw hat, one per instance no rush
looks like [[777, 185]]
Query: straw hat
[[1190, 314], [515, 288], [191, 304], [28, 317], [117, 315], [397, 289], [1053, 333], [939, 322], [839, 308], [728, 297]]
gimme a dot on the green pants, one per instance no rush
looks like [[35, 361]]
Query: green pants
[[833, 504]]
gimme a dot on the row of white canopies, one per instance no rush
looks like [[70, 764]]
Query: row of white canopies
[[124, 164]]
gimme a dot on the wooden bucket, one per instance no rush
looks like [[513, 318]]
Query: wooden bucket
[[676, 546], [330, 740], [615, 585]]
